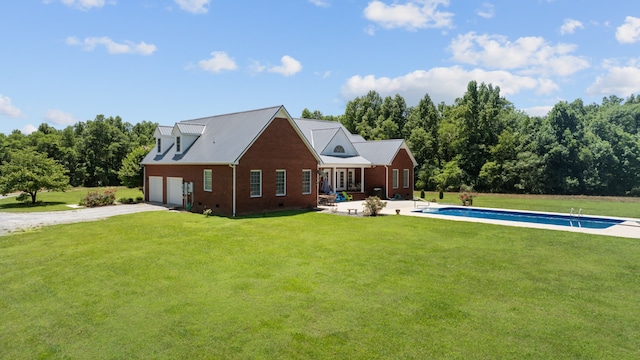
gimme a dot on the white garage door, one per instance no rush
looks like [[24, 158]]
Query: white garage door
[[155, 189], [174, 191]]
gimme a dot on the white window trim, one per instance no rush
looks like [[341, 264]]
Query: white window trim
[[204, 179], [260, 183], [306, 171], [285, 182], [394, 178], [405, 181], [178, 144], [159, 142]]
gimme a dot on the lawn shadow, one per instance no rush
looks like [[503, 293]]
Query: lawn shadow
[[37, 205]]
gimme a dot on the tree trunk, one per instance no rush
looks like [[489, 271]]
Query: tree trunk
[[33, 196]]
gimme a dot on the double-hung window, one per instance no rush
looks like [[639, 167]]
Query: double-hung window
[[281, 182], [159, 145], [405, 178], [208, 180], [306, 181], [394, 179], [178, 143], [255, 179]]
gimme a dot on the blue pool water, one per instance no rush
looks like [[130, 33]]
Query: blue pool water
[[588, 222]]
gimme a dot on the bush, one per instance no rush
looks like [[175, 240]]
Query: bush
[[24, 198], [373, 205], [422, 194], [207, 212], [95, 198], [139, 199]]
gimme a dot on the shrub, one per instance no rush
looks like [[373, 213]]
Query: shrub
[[466, 195], [24, 198], [373, 205], [207, 212], [422, 194], [139, 199], [95, 198]]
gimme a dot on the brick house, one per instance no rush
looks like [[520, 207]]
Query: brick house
[[264, 160]]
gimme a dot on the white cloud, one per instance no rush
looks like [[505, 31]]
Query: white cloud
[[194, 6], [59, 117], [538, 110], [619, 80], [412, 15], [529, 55], [486, 11], [442, 84], [320, 3], [629, 32], [288, 67], [28, 129], [218, 62], [256, 67], [126, 47], [83, 5], [570, 25], [6, 108]]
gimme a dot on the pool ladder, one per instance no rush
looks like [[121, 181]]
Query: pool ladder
[[572, 215]]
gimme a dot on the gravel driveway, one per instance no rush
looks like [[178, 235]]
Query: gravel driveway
[[10, 222]]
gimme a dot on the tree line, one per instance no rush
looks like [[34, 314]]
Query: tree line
[[90, 152], [481, 140]]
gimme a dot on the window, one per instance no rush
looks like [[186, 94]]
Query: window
[[306, 181], [338, 149], [208, 180], [405, 178], [281, 182], [394, 179], [256, 183], [178, 143], [159, 145]]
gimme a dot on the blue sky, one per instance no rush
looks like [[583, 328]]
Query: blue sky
[[64, 61]]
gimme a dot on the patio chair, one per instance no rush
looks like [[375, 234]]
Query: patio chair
[[347, 197]]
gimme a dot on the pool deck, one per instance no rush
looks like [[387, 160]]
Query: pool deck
[[630, 228]]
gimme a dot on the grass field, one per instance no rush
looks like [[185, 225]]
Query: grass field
[[315, 286], [58, 201]]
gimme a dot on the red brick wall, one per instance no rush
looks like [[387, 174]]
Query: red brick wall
[[279, 148], [377, 177]]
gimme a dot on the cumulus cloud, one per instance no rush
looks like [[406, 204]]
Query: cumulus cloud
[[28, 129], [6, 108], [538, 110], [529, 55], [126, 47], [320, 3], [83, 5], [218, 62], [289, 66], [412, 15], [629, 32], [443, 84], [621, 80], [194, 6], [486, 11], [570, 25], [59, 117]]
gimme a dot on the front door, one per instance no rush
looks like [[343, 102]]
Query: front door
[[341, 175]]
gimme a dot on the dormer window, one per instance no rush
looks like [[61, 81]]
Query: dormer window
[[178, 143], [159, 145], [338, 149]]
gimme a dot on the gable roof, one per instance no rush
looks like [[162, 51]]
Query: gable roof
[[382, 152], [223, 138]]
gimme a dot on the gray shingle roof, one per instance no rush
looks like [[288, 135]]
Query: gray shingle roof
[[224, 139], [382, 152]]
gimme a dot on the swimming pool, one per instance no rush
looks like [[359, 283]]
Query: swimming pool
[[588, 222]]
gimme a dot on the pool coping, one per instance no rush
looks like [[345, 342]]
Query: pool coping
[[629, 228]]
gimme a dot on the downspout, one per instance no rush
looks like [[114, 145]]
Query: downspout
[[233, 200], [362, 179], [386, 180]]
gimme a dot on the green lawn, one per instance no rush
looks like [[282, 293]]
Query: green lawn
[[315, 286], [58, 201]]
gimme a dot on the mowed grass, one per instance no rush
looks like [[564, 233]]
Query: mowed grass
[[59, 201], [590, 205], [172, 285]]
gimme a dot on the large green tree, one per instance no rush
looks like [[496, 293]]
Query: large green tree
[[131, 172], [31, 172]]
